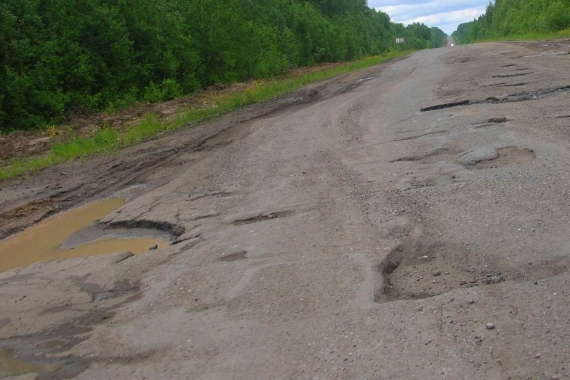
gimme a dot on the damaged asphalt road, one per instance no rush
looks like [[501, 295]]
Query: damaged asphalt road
[[406, 221]]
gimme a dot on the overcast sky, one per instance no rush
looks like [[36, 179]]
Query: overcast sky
[[445, 14]]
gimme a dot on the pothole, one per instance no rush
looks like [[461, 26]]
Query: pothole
[[513, 98], [510, 75], [195, 194], [234, 257], [490, 122], [356, 84], [512, 84], [505, 84], [98, 294], [46, 353], [250, 217], [548, 54], [485, 157], [445, 105], [447, 153], [421, 269], [44, 241], [262, 218], [417, 270], [498, 120], [12, 366], [525, 96], [506, 156], [434, 155]]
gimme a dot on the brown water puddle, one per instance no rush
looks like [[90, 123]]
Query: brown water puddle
[[10, 366], [42, 242]]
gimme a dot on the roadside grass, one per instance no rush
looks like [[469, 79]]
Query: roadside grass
[[530, 36], [109, 140]]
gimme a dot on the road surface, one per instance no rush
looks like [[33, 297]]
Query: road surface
[[408, 221]]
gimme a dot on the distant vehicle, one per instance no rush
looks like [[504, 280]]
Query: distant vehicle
[[452, 45]]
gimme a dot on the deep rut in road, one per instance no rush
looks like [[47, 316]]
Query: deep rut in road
[[520, 97]]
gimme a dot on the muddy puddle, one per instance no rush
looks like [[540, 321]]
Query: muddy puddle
[[43, 241], [10, 366]]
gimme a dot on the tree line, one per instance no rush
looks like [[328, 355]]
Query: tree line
[[62, 56], [516, 17]]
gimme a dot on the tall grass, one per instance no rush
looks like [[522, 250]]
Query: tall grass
[[109, 140]]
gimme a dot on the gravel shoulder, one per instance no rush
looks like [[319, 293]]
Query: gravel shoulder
[[405, 221]]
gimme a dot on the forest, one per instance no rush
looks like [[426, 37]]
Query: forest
[[78, 56], [515, 17]]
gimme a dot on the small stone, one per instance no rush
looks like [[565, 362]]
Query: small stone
[[436, 273], [537, 356], [490, 326], [421, 308], [153, 247], [496, 279]]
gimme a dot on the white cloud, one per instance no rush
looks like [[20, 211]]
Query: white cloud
[[448, 21], [445, 14]]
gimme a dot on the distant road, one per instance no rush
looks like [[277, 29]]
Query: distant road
[[450, 41]]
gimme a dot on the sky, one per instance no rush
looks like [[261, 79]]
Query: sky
[[445, 14]]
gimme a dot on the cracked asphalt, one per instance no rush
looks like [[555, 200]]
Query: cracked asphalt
[[408, 221]]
